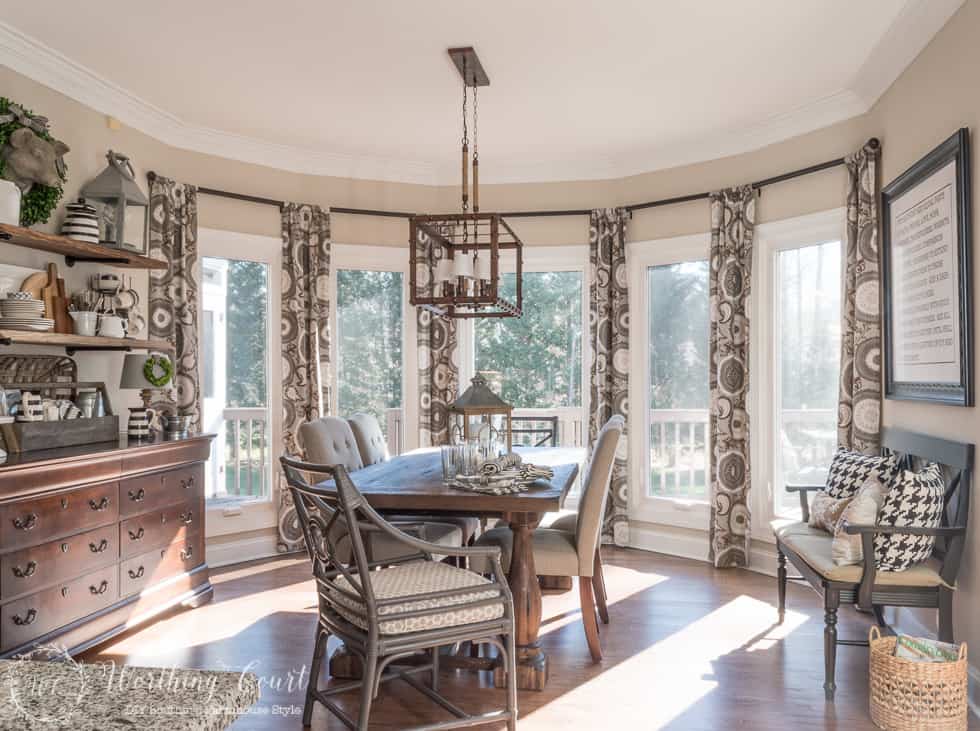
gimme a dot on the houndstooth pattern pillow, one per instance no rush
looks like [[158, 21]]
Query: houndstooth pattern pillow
[[849, 470], [915, 499]]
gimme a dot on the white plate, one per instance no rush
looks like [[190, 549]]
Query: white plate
[[31, 327], [25, 321]]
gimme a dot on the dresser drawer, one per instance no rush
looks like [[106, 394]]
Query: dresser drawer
[[35, 521], [160, 564], [157, 529], [24, 619], [147, 493], [25, 570]]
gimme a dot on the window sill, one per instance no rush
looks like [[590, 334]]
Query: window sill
[[675, 511]]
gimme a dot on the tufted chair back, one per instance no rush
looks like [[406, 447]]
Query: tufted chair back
[[370, 439], [329, 440]]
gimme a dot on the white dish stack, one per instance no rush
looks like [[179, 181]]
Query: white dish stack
[[81, 222], [21, 312]]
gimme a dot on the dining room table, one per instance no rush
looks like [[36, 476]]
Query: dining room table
[[412, 483]]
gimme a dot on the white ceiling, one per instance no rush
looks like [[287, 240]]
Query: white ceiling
[[365, 89]]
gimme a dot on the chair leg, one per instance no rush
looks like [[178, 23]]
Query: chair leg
[[589, 618], [945, 614], [599, 586], [368, 682], [435, 669], [512, 680], [319, 651], [831, 604], [781, 583]]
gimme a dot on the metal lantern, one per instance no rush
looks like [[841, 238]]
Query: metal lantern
[[112, 192], [477, 406]]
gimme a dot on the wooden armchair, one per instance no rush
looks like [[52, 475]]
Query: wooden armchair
[[929, 584]]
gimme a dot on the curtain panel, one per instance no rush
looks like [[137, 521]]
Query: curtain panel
[[305, 338], [732, 227], [438, 354], [859, 401], [173, 292], [609, 322]]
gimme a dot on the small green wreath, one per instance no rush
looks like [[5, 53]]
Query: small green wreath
[[154, 362], [39, 202]]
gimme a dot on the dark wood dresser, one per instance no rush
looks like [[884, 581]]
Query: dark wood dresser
[[98, 538]]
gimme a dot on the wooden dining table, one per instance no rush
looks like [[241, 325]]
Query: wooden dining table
[[411, 483]]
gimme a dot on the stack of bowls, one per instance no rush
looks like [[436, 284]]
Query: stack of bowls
[[81, 222], [21, 312]]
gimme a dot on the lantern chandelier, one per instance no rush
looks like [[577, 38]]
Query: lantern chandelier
[[456, 258]]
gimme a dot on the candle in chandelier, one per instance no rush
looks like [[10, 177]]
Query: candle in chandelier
[[483, 266], [463, 265], [444, 273]]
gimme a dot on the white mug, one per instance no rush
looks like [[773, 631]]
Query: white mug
[[111, 326], [85, 322]]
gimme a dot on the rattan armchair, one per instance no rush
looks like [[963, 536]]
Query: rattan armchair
[[386, 611]]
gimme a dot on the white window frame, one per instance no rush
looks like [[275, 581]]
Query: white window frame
[[640, 256], [380, 259], [770, 239], [246, 514]]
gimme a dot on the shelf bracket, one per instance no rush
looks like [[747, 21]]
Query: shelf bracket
[[72, 349], [70, 260], [4, 236], [6, 341]]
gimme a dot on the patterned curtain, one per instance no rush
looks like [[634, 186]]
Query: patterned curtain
[[859, 402], [609, 330], [438, 355], [305, 338], [732, 224], [173, 293]]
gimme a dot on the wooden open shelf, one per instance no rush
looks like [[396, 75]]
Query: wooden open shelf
[[80, 342], [74, 250]]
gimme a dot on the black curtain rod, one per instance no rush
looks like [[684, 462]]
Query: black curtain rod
[[873, 142]]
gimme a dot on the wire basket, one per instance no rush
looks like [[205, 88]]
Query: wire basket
[[908, 695]]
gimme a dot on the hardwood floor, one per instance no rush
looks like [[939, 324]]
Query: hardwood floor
[[687, 647]]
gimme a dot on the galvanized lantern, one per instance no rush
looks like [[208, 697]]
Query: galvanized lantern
[[112, 192], [478, 405]]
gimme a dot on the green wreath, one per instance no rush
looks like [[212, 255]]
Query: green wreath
[[150, 370], [41, 200]]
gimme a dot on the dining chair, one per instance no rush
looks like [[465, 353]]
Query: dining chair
[[389, 611], [573, 549], [373, 449], [331, 440]]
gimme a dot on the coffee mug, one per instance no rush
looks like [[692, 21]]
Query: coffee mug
[[112, 326]]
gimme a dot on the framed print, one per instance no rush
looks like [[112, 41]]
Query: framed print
[[926, 275]]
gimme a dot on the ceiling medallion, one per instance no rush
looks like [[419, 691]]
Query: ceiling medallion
[[457, 258]]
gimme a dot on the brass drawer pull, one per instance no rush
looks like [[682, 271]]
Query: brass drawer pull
[[138, 535], [64, 503], [99, 506], [26, 523], [103, 545], [137, 497], [28, 619], [24, 573], [187, 518], [188, 483], [186, 553], [103, 587], [136, 574]]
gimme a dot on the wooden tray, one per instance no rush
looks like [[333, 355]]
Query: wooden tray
[[30, 436]]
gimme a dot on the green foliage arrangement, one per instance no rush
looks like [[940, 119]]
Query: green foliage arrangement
[[158, 370], [40, 202]]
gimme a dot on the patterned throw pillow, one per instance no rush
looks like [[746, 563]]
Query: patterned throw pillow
[[825, 511], [915, 499], [862, 510], [849, 470]]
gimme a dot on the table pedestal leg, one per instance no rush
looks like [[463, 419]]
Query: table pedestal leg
[[532, 663]]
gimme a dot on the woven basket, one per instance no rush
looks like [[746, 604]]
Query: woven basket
[[909, 695]]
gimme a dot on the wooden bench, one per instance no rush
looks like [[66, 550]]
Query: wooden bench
[[929, 584]]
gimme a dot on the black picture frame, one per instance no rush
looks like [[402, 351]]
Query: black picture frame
[[955, 149]]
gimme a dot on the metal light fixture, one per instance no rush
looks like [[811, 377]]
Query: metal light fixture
[[458, 274]]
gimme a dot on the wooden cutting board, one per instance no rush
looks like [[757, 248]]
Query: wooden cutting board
[[50, 291], [34, 284], [62, 320]]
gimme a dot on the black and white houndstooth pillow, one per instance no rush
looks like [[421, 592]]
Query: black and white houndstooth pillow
[[915, 499], [849, 470]]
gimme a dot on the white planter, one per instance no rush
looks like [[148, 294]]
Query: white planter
[[9, 203]]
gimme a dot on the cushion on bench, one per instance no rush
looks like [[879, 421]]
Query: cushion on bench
[[814, 547]]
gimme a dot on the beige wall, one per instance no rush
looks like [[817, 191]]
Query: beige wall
[[936, 95]]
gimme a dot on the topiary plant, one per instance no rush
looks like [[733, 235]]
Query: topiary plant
[[39, 202]]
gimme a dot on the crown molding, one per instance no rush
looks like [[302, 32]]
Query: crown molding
[[913, 27]]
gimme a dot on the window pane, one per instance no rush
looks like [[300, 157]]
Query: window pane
[[235, 304], [808, 354], [369, 343], [678, 336], [536, 359]]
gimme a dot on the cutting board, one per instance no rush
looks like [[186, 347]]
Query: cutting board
[[34, 284], [50, 291], [62, 320]]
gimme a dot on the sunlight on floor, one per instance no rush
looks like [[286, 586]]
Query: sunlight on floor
[[670, 676]]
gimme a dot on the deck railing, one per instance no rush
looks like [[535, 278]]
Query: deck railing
[[246, 452]]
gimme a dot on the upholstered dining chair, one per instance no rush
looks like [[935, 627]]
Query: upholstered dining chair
[[331, 440], [373, 449], [573, 549], [389, 611]]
